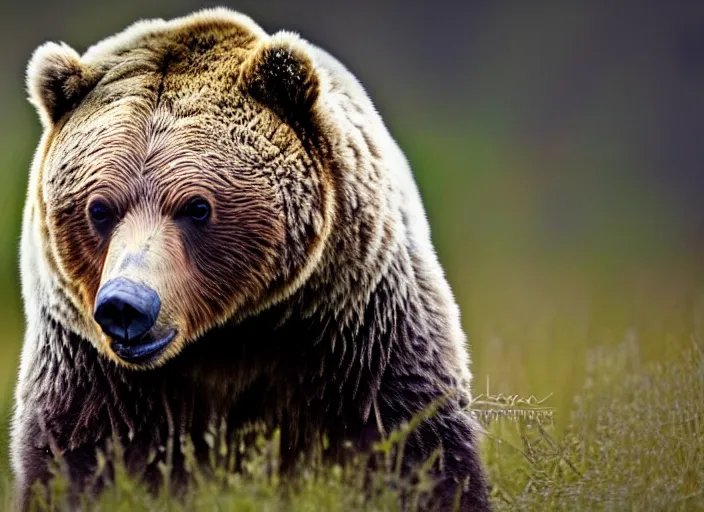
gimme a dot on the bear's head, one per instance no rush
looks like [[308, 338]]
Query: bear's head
[[181, 182]]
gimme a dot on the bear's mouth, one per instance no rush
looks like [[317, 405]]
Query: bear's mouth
[[143, 350]]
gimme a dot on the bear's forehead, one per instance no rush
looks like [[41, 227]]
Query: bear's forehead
[[194, 48], [200, 62], [131, 137]]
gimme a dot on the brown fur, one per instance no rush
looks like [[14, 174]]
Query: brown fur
[[310, 298]]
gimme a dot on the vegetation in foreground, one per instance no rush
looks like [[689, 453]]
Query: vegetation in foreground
[[635, 441]]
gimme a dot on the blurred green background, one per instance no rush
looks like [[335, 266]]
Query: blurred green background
[[558, 150]]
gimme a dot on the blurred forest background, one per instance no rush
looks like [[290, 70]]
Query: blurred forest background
[[558, 150]]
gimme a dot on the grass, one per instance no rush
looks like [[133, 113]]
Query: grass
[[635, 441]]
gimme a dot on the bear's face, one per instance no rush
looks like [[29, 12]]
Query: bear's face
[[179, 188]]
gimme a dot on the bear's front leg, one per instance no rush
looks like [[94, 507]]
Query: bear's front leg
[[449, 436], [31, 456], [458, 478], [41, 446], [460, 483]]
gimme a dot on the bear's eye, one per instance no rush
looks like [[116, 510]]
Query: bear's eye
[[101, 215], [197, 210]]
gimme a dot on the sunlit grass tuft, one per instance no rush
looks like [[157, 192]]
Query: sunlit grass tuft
[[635, 441]]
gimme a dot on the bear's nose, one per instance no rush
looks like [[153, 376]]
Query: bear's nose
[[126, 310]]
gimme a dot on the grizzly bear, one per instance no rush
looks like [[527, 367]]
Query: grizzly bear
[[219, 225]]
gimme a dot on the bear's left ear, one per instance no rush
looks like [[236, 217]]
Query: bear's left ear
[[281, 75], [57, 81]]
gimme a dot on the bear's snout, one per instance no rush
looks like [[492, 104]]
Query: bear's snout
[[126, 312]]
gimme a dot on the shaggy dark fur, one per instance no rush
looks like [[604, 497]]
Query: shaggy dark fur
[[312, 300]]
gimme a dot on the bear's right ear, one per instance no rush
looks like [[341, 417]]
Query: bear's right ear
[[57, 81]]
